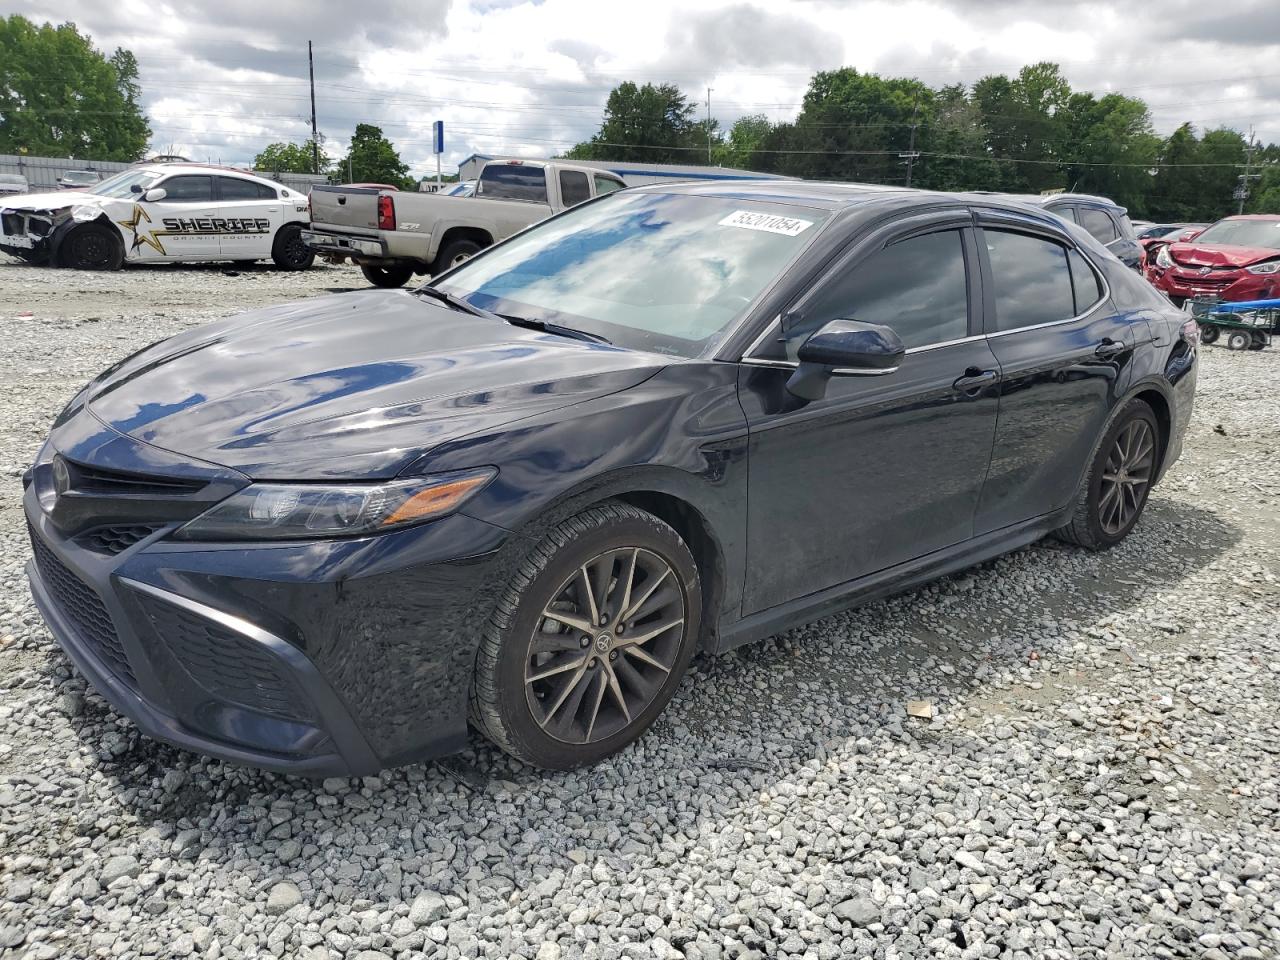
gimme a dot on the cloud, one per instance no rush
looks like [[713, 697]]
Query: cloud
[[222, 80]]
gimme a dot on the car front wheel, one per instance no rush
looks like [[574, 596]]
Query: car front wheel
[[1119, 480], [589, 640], [92, 247]]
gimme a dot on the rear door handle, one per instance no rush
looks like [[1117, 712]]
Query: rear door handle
[[1110, 348], [974, 380]]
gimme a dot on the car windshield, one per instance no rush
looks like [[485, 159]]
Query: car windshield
[[1243, 233], [651, 271], [119, 185]]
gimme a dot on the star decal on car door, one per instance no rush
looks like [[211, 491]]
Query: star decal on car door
[[140, 239]]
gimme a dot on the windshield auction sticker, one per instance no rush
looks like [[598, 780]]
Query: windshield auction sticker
[[768, 222]]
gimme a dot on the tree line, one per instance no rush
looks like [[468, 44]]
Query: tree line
[[1022, 134]]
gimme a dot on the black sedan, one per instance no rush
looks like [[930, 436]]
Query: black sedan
[[322, 537]]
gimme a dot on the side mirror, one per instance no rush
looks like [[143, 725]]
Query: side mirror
[[135, 188], [844, 348], [154, 194]]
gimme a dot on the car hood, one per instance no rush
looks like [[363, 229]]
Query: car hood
[[53, 200], [1192, 254], [353, 386]]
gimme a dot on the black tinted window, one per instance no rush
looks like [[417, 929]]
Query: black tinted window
[[233, 189], [1032, 281], [513, 182], [606, 185], [917, 287], [1098, 223], [188, 189], [1084, 282], [574, 187]]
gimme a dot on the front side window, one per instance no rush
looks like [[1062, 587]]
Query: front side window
[[1032, 280], [188, 189], [574, 188], [917, 287], [1098, 223], [663, 272], [513, 181], [606, 185]]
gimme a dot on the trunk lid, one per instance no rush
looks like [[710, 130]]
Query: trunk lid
[[352, 207]]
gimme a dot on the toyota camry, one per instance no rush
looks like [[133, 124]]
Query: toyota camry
[[332, 536]]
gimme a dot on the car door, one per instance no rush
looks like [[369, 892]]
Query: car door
[[248, 214], [1064, 355], [883, 468], [177, 227]]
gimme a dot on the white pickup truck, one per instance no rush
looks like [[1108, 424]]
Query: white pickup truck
[[392, 235]]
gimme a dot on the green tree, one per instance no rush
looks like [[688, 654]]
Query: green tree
[[954, 144], [59, 96], [1108, 147], [290, 158], [373, 159], [745, 136], [649, 123]]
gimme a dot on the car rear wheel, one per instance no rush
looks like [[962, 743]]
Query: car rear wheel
[[1238, 340], [289, 252], [589, 640], [454, 253], [388, 277], [1115, 490], [92, 247], [1208, 333]]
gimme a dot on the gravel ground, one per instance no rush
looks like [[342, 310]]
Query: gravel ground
[[1099, 777]]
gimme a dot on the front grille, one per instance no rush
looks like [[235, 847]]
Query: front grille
[[231, 667], [116, 539], [95, 480], [82, 606]]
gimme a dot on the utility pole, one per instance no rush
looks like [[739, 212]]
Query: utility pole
[[912, 153], [708, 126], [1242, 189], [315, 140]]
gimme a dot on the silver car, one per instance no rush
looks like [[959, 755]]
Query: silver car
[[79, 179], [12, 183]]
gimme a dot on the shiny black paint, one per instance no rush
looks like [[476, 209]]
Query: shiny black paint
[[795, 508]]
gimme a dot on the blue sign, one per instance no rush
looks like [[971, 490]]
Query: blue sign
[[437, 137]]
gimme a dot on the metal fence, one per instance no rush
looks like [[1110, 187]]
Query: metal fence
[[42, 173]]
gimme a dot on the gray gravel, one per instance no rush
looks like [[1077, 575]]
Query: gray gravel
[[1100, 776]]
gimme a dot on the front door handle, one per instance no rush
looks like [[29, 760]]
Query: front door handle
[[974, 380], [1110, 348]]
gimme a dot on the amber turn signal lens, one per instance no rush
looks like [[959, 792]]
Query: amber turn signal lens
[[434, 500]]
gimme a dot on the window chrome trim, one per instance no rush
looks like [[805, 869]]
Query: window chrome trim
[[748, 359], [835, 371]]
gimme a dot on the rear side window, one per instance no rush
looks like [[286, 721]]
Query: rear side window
[[917, 287], [1085, 283], [1031, 278], [509, 181], [233, 189], [574, 187], [188, 189], [606, 185], [1098, 223]]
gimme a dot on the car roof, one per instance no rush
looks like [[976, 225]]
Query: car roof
[[1253, 216], [204, 168]]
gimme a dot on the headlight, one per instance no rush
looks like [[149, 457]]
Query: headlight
[[1162, 257], [1272, 266], [270, 511]]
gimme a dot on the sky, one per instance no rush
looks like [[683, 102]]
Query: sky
[[221, 80]]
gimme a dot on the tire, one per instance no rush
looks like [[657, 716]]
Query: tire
[[288, 252], [559, 707], [1208, 333], [388, 277], [1095, 523], [1257, 342], [453, 253], [92, 247], [1238, 340]]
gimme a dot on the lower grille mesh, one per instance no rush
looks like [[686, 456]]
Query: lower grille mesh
[[230, 667], [82, 606]]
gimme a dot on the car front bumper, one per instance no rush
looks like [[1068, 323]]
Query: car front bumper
[[1228, 285], [331, 658]]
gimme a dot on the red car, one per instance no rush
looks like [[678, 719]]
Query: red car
[[1237, 258], [1152, 238]]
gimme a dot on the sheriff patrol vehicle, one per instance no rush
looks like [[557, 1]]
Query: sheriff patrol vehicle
[[163, 213]]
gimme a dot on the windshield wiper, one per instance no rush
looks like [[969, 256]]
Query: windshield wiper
[[456, 302], [546, 326]]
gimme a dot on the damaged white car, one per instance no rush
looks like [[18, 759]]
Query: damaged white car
[[160, 213]]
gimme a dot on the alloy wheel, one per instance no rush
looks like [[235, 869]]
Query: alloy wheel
[[605, 645], [1126, 476]]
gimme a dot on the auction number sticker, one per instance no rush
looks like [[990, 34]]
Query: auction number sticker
[[768, 222]]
